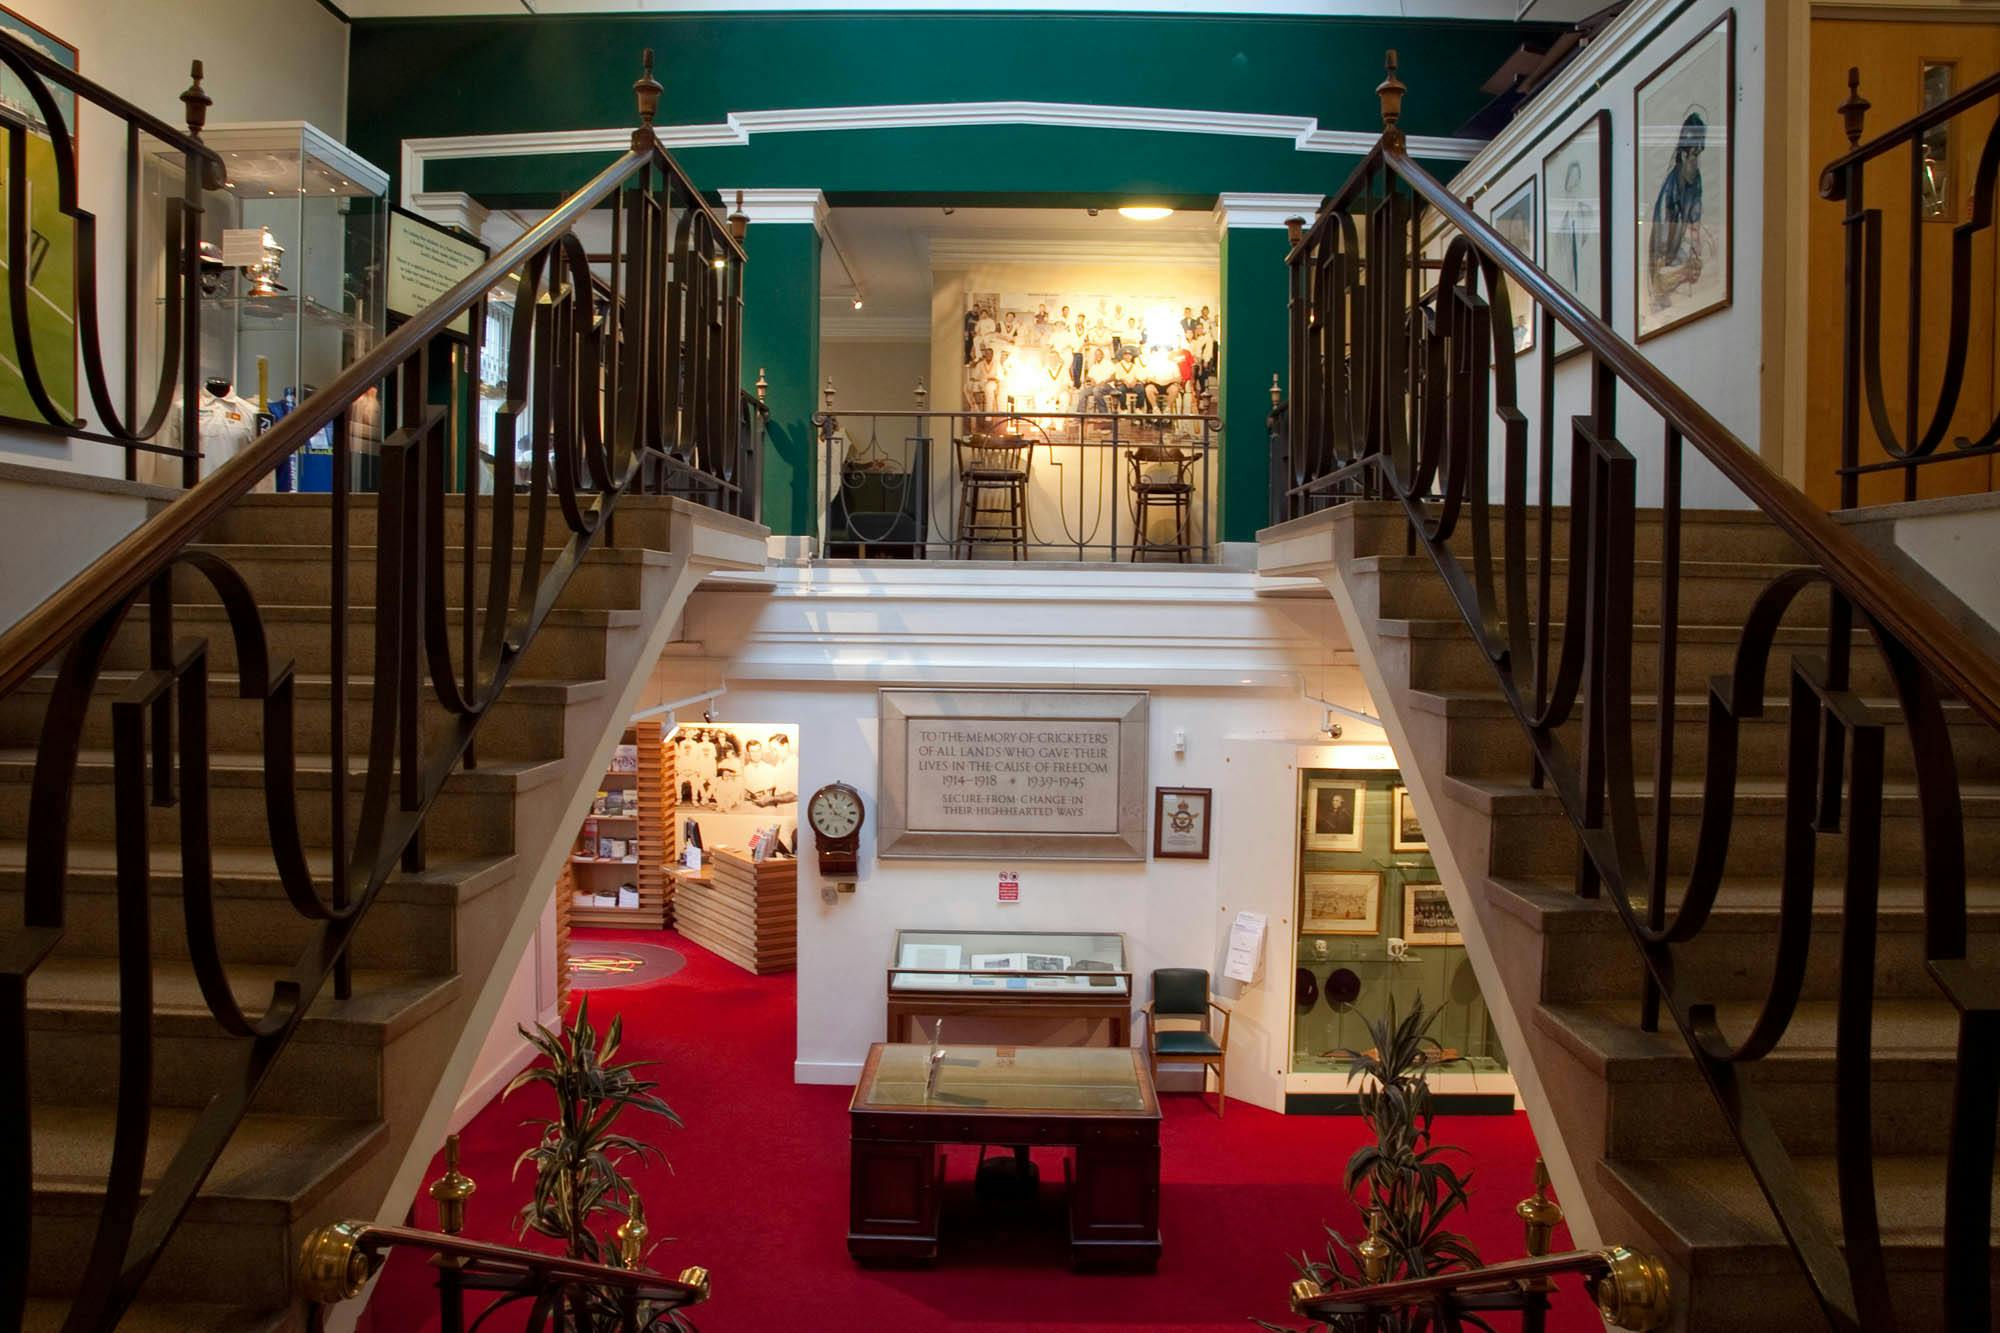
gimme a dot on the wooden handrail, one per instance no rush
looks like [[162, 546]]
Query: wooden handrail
[[142, 554], [1631, 1289], [1944, 649]]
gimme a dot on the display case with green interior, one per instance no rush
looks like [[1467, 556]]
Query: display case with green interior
[[1373, 927]]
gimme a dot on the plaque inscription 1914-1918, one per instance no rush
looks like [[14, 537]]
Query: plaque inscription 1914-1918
[[1046, 774]]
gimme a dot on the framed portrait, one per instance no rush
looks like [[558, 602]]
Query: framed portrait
[[1406, 832], [1684, 142], [1576, 204], [1181, 823], [1341, 902], [1427, 915], [51, 322], [1333, 814], [1514, 218]]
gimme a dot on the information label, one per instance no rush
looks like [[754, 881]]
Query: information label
[[425, 262], [996, 775], [1010, 887]]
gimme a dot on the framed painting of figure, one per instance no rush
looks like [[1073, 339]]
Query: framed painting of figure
[[1576, 202], [1333, 815], [1514, 219], [1684, 143]]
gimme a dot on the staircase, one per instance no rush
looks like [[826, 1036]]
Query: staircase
[[1652, 1160]]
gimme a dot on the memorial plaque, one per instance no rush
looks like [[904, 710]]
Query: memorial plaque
[[1052, 774]]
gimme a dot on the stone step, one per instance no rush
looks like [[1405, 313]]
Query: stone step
[[238, 1241], [1485, 740], [46, 1316], [526, 724], [473, 815], [1588, 956], [410, 927], [639, 521], [1658, 1105], [1380, 528], [1711, 592], [333, 1067], [1731, 1266], [609, 578], [1532, 836], [570, 646]]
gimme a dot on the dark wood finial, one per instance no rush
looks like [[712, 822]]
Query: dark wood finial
[[197, 101], [1855, 108], [1295, 231], [739, 221], [1391, 91], [647, 89]]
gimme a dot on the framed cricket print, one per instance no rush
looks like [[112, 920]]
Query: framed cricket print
[[1406, 833], [1341, 902], [1427, 916], [1333, 814], [1181, 822], [1514, 218], [1576, 203], [1684, 143]]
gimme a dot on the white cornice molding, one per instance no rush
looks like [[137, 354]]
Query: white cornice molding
[[956, 252], [736, 130], [777, 205], [875, 328], [451, 208], [1500, 10], [1264, 211]]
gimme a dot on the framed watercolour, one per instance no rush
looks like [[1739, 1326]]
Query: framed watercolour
[[1685, 143], [1427, 915], [1406, 833], [51, 318], [1341, 902], [1576, 203], [1333, 815], [1181, 822], [1514, 218]]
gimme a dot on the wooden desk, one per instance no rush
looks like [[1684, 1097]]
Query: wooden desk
[[1098, 1102]]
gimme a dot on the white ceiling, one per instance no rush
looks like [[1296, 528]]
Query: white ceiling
[[1541, 10]]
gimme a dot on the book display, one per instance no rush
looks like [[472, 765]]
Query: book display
[[617, 869]]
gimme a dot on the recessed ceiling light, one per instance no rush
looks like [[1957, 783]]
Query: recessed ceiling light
[[1145, 212]]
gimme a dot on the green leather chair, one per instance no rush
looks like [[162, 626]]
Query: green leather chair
[[1181, 997]]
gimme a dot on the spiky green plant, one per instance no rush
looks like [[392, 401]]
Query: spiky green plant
[[580, 1155], [1403, 1176]]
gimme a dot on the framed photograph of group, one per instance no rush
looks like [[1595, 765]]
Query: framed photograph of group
[[1334, 816], [1684, 142], [1427, 915], [1514, 218], [1576, 201]]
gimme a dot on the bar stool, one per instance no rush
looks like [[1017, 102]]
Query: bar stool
[[1161, 480], [993, 467]]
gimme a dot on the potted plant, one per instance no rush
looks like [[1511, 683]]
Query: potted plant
[[579, 1160]]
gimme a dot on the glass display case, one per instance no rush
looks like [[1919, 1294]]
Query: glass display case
[[1374, 928], [1008, 975]]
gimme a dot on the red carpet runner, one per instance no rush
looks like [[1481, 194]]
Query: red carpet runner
[[755, 1190]]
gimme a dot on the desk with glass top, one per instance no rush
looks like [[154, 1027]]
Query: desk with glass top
[[1009, 974], [1098, 1102]]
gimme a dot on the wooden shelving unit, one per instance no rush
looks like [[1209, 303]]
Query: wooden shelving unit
[[650, 828], [743, 910]]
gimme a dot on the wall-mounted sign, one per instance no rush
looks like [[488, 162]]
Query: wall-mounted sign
[[425, 262], [1038, 774]]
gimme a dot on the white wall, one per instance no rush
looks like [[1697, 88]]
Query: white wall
[[264, 60], [872, 373], [530, 999]]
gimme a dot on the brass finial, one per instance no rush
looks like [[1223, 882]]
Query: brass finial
[[1854, 108], [197, 101], [739, 221], [647, 89], [1634, 1292], [632, 1234], [1374, 1250], [1391, 90], [923, 394], [1539, 1215], [451, 1190], [763, 385], [827, 392], [1277, 391]]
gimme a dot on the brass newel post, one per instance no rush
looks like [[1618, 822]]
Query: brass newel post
[[1277, 391], [451, 1190], [763, 385], [828, 392], [1374, 1250], [632, 1234], [923, 394], [1539, 1215], [647, 90], [1855, 108], [739, 221], [1391, 90]]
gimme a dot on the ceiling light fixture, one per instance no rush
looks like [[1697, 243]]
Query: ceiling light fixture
[[1145, 212], [857, 303]]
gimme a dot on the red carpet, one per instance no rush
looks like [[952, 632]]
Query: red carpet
[[755, 1190]]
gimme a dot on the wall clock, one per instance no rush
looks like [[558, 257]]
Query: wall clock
[[835, 813]]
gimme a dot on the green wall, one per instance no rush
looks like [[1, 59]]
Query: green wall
[[781, 338], [1254, 342]]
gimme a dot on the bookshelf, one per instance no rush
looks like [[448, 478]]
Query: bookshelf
[[628, 838]]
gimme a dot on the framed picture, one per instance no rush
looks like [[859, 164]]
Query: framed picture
[[1576, 203], [1514, 218], [1333, 814], [1341, 902], [1427, 915], [1684, 142], [1180, 823], [1406, 833], [51, 321]]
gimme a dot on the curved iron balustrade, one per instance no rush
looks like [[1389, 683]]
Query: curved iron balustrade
[[1400, 370], [632, 389], [1907, 446]]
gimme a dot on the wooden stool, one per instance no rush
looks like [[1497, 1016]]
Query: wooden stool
[[1156, 488], [993, 466]]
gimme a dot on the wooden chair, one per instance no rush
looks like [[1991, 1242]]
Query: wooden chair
[[1180, 996], [1161, 479], [993, 467]]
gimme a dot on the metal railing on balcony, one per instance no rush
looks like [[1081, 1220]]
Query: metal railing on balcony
[[1405, 388]]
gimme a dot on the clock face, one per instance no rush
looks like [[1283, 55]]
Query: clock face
[[834, 812]]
